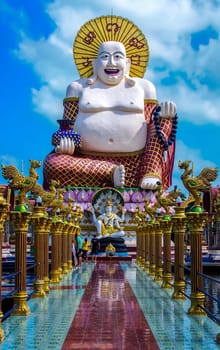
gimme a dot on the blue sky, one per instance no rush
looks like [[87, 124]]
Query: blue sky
[[37, 65]]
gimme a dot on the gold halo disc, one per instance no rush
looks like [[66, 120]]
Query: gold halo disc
[[110, 28]]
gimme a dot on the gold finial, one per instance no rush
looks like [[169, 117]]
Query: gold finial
[[17, 181], [110, 248]]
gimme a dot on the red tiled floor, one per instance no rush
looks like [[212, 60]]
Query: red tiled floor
[[109, 316]]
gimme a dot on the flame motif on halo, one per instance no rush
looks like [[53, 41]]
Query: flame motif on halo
[[110, 28]]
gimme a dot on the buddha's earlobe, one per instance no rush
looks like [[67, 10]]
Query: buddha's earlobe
[[129, 80], [128, 65], [91, 80]]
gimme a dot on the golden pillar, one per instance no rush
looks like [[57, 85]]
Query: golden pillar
[[196, 222], [20, 222], [179, 228], [55, 231], [138, 242], [64, 247], [166, 226], [142, 247], [158, 252], [46, 255], [41, 227], [139, 219], [60, 250], [152, 265], [3, 216], [147, 245], [140, 239], [69, 246]]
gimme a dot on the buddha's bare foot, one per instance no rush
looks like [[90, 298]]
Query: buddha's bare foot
[[149, 182], [119, 176]]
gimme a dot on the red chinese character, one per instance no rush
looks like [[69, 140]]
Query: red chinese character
[[114, 26], [136, 43], [87, 62], [89, 38], [135, 60]]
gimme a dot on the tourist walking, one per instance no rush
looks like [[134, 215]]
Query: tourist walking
[[85, 249], [78, 245], [95, 246]]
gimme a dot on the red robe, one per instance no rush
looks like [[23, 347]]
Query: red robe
[[96, 169]]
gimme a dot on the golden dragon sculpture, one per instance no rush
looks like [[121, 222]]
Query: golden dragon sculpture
[[197, 184], [17, 181], [168, 200], [47, 197], [57, 205], [149, 210]]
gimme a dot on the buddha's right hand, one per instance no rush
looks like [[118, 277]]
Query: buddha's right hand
[[66, 146]]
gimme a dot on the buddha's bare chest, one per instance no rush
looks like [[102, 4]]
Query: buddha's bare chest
[[96, 99]]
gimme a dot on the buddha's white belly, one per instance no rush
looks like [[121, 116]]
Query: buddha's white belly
[[111, 131]]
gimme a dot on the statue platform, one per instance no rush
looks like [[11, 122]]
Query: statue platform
[[118, 244]]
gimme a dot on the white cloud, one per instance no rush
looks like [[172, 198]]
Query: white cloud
[[183, 152], [53, 63], [47, 103], [205, 63], [67, 18], [197, 106], [50, 57], [6, 159]]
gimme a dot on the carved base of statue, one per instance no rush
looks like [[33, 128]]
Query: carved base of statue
[[118, 243]]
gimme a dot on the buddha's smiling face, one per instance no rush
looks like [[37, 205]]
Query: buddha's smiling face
[[111, 64]]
